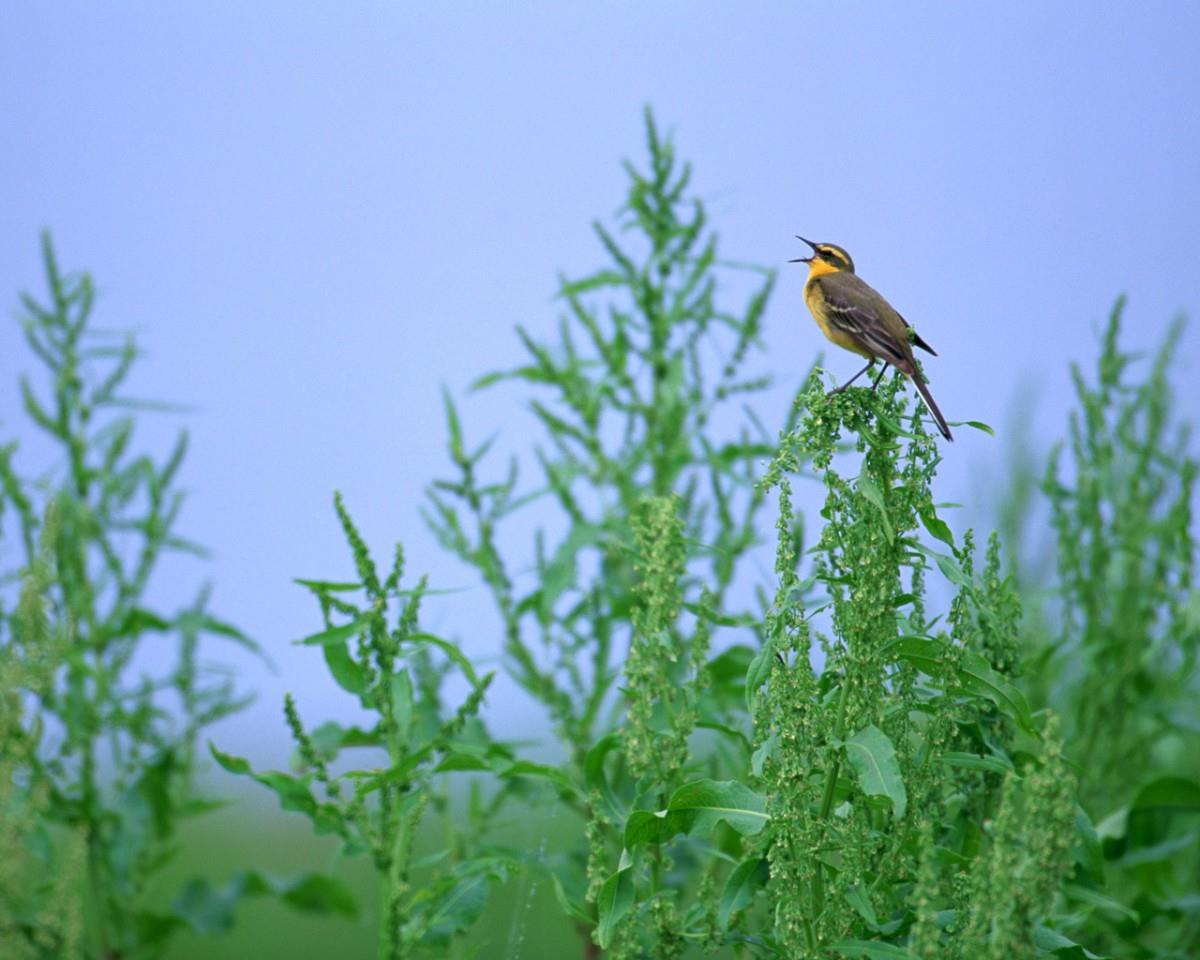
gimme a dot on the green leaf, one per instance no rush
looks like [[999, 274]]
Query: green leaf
[[1050, 941], [577, 910], [868, 488], [339, 634], [936, 526], [402, 702], [977, 424], [1088, 851], [757, 672], [320, 893], [594, 776], [462, 905], [654, 827], [697, 807], [765, 749], [924, 653], [527, 768], [452, 651], [457, 762], [873, 759], [615, 900], [977, 676], [454, 428], [1158, 852], [218, 627], [328, 586], [716, 617], [138, 620], [973, 672], [747, 878], [973, 761], [343, 668], [1168, 793], [1098, 900], [871, 949], [858, 897], [951, 570], [211, 911], [293, 792], [711, 801], [236, 765]]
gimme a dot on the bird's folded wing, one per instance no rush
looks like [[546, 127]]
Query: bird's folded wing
[[862, 314]]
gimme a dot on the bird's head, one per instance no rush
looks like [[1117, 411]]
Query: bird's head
[[826, 258]]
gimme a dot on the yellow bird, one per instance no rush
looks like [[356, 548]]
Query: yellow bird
[[856, 318]]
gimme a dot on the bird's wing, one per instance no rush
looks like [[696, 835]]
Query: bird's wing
[[864, 315]]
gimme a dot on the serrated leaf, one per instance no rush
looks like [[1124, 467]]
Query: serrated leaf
[[873, 759]]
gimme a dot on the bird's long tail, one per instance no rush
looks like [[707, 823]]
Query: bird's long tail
[[931, 406]]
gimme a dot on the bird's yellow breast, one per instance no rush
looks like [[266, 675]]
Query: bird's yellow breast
[[817, 307]]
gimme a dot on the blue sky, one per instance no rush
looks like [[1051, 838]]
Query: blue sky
[[315, 215]]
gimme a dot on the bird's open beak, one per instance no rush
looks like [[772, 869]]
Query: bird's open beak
[[804, 259]]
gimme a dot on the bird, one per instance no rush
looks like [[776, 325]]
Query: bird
[[852, 315]]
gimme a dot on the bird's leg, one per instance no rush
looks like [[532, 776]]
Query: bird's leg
[[880, 377], [853, 378]]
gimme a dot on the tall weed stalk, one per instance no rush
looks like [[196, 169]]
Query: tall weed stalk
[[98, 732]]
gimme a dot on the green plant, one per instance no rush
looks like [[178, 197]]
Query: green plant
[[98, 737], [632, 413], [1118, 654], [375, 650], [37, 918], [748, 799], [901, 801]]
